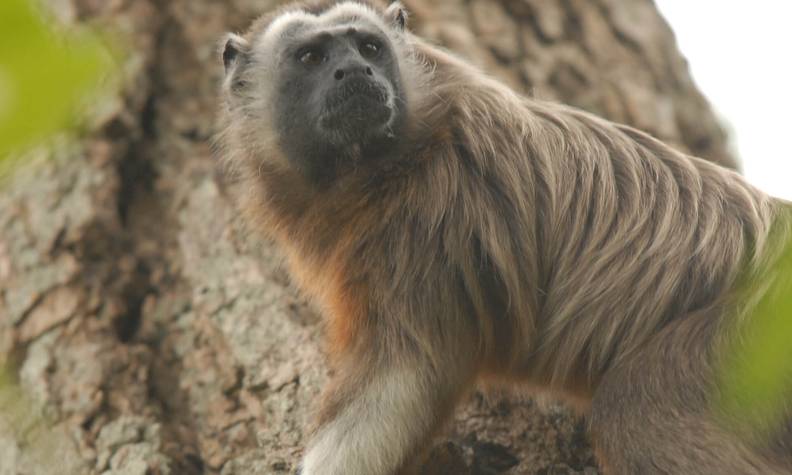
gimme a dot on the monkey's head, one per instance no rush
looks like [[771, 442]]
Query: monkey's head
[[322, 84]]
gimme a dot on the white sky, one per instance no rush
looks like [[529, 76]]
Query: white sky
[[740, 55]]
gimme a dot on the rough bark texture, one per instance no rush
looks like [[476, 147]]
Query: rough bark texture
[[157, 336]]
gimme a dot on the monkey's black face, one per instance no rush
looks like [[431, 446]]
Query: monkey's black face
[[338, 99]]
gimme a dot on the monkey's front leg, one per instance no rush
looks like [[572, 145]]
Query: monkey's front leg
[[377, 418]]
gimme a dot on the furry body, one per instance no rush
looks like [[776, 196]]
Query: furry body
[[501, 237]]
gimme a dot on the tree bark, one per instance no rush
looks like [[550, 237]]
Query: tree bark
[[157, 335]]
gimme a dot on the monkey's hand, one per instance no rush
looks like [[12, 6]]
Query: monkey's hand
[[379, 422]]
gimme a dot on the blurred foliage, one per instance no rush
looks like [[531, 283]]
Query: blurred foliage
[[44, 74], [755, 387]]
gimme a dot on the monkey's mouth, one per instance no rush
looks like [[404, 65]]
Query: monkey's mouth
[[358, 105]]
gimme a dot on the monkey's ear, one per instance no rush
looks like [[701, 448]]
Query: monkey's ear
[[397, 15], [233, 47]]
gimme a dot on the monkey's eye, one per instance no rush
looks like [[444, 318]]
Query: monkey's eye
[[312, 57], [370, 49]]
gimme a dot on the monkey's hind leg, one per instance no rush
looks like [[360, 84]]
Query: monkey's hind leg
[[652, 413], [378, 419]]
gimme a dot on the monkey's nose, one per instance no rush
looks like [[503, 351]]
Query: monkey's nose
[[341, 73]]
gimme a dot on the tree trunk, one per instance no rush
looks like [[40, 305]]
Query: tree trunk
[[159, 336]]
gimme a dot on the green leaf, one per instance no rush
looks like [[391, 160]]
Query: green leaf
[[44, 75], [756, 378]]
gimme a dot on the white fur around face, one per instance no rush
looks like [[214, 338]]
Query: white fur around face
[[355, 10], [274, 32], [339, 14]]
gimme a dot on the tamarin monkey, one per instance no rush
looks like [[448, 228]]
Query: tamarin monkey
[[452, 231]]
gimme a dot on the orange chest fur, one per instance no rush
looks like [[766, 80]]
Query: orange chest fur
[[342, 303]]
